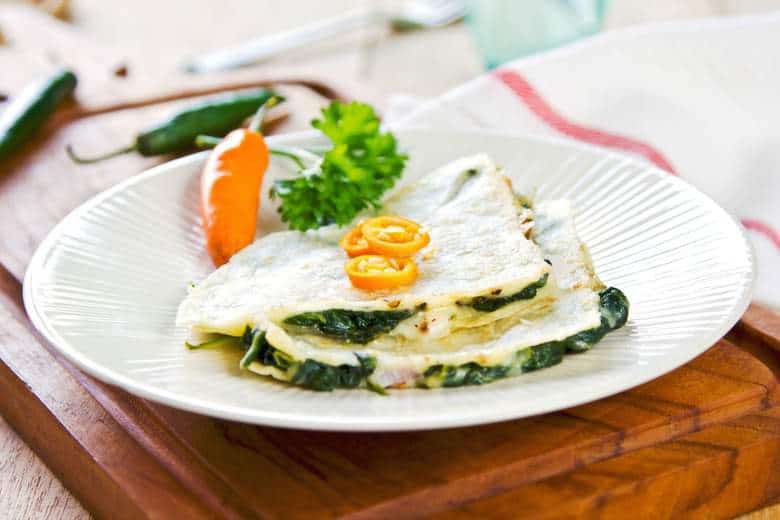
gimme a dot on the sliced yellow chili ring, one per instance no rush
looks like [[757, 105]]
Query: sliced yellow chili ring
[[375, 272], [354, 243], [394, 236]]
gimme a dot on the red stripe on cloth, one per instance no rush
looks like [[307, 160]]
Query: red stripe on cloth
[[763, 228], [539, 106]]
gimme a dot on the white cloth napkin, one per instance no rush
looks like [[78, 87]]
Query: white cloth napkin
[[699, 98]]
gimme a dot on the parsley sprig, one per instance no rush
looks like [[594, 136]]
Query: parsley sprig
[[352, 176]]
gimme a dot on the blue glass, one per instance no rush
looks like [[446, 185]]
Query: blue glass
[[508, 29]]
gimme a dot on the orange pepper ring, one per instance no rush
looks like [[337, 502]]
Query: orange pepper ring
[[375, 272], [394, 236], [354, 243]]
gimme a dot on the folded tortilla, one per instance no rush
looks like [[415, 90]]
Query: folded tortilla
[[478, 250], [462, 322]]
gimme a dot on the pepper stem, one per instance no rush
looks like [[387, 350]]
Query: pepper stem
[[284, 153], [207, 141], [83, 160], [256, 123], [302, 158]]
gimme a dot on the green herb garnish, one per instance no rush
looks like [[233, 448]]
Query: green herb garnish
[[353, 175]]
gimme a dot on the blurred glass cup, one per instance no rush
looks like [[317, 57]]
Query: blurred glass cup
[[508, 29]]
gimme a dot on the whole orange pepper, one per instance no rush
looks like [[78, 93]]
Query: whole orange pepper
[[230, 192]]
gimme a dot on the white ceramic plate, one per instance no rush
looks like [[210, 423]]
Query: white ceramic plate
[[105, 284]]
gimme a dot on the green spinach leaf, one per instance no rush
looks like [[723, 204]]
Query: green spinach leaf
[[348, 325]]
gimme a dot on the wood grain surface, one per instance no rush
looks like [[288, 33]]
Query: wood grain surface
[[713, 473], [22, 471], [698, 441]]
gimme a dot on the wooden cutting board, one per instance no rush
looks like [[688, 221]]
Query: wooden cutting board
[[701, 441]]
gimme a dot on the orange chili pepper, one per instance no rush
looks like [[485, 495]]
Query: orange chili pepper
[[394, 236], [354, 243], [375, 272], [230, 192]]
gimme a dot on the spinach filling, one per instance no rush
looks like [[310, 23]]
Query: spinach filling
[[347, 325], [352, 326], [315, 375], [613, 306], [493, 303], [309, 373], [466, 374], [526, 360]]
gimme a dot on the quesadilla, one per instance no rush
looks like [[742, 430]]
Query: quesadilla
[[504, 287]]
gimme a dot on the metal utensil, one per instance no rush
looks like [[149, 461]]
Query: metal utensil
[[415, 14]]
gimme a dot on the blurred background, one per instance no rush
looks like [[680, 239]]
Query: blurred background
[[163, 34]]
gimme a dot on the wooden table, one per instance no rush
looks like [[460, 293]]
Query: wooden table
[[372, 62]]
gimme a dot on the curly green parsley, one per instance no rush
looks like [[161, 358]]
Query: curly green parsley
[[353, 175]]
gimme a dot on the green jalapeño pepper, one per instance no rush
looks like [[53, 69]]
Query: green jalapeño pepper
[[30, 110], [216, 116]]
